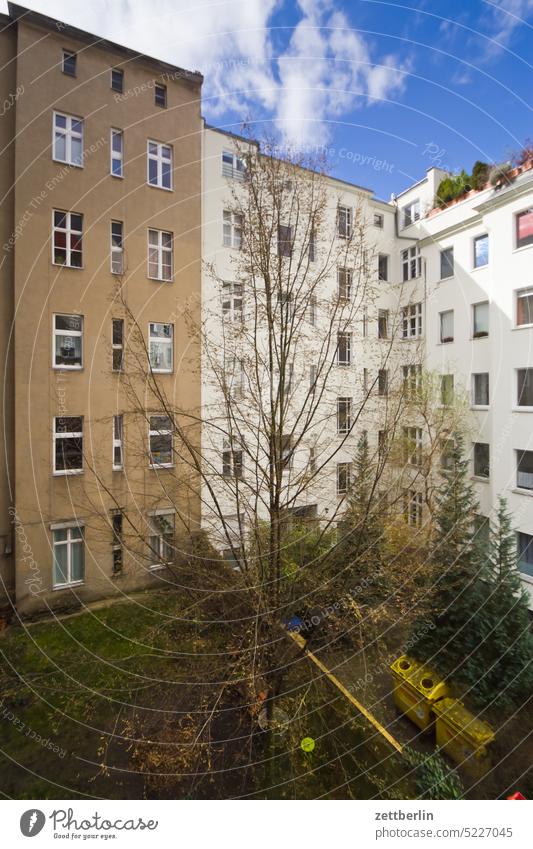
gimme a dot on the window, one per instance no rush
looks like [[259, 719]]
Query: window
[[161, 540], [69, 556], [378, 220], [159, 255], [68, 445], [446, 326], [383, 382], [118, 448], [482, 533], [312, 310], [481, 251], [413, 509], [232, 460], [159, 165], [160, 436], [117, 248], [69, 63], [412, 321], [344, 349], [480, 314], [287, 452], [481, 459], [67, 239], [480, 389], [446, 263], [383, 267], [524, 307], [411, 264], [447, 461], [446, 390], [365, 380], [284, 240], [344, 473], [524, 469], [312, 459], [232, 301], [410, 213], [235, 377], [344, 222], [312, 376], [344, 415], [233, 166], [68, 139], [524, 228], [365, 322], [161, 344], [383, 324], [412, 381], [117, 526], [117, 153], [68, 341], [412, 445], [117, 343], [525, 553], [382, 443], [160, 95], [344, 283], [312, 246], [231, 229], [524, 387], [117, 79]]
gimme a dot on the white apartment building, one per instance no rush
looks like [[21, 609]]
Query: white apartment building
[[455, 284]]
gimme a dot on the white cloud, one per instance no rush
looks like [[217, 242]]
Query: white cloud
[[501, 20], [325, 71]]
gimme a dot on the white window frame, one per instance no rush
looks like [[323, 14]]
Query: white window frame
[[58, 333], [526, 292], [68, 231], [237, 169], [477, 475], [414, 508], [160, 159], [69, 135], [411, 263], [347, 338], [410, 211], [346, 402], [164, 341], [344, 213], [118, 442], [517, 247], [518, 405], [161, 250], [412, 321], [485, 334], [379, 220], [69, 54], [232, 294], [156, 432], [117, 253], [443, 339], [474, 403], [163, 89], [155, 534], [61, 436], [413, 445], [383, 322], [345, 287], [116, 155], [232, 227], [443, 254], [230, 449], [386, 257], [475, 240], [344, 468], [443, 379], [68, 542], [115, 346], [412, 380]]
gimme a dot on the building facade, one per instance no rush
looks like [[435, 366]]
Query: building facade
[[101, 255]]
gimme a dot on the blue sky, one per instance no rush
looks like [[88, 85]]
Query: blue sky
[[388, 88]]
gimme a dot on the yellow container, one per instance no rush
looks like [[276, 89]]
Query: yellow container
[[416, 689], [463, 736]]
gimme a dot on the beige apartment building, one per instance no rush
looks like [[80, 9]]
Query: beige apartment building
[[101, 264]]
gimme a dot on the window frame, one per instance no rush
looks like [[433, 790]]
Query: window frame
[[527, 291], [411, 258], [523, 549], [69, 542], [344, 414], [519, 457], [386, 258], [232, 292], [74, 333], [446, 264], [343, 468], [161, 251], [232, 224], [63, 436], [69, 232], [475, 241], [447, 389], [156, 532], [118, 442], [116, 156], [160, 160], [116, 251], [237, 169], [477, 473], [413, 445], [407, 213], [412, 317], [383, 324], [157, 433], [518, 395], [347, 212], [474, 403], [346, 338], [162, 89], [383, 383], [445, 340], [69, 55], [483, 334], [166, 342], [517, 215], [120, 72], [379, 220], [229, 464], [116, 346], [68, 135], [344, 283]]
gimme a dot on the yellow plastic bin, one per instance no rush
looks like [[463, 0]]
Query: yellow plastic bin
[[416, 689], [463, 736]]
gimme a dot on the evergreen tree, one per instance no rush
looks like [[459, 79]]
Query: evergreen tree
[[506, 656], [457, 597], [360, 546]]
